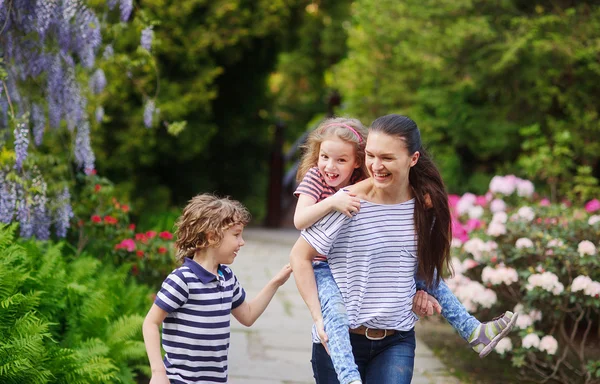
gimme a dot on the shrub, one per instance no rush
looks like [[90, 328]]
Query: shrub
[[67, 318], [512, 251]]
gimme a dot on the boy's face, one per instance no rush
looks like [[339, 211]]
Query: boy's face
[[230, 245]]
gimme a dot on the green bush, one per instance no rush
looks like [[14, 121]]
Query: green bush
[[66, 318]]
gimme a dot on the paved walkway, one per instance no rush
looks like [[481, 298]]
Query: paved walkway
[[277, 348]]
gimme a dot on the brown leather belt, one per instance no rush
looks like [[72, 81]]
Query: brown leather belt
[[372, 334]]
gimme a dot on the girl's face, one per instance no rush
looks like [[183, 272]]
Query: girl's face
[[337, 161], [388, 160]]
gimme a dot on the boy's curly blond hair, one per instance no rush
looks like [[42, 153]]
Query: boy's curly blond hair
[[203, 222]]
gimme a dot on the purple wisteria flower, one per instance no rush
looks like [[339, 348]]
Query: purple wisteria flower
[[8, 199], [54, 87], [24, 214], [149, 113], [84, 156], [64, 213], [40, 219], [146, 39], [45, 12], [21, 143], [99, 114], [109, 52], [87, 36], [112, 3], [39, 123], [126, 6], [98, 81]]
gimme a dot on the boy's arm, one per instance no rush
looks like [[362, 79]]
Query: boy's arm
[[151, 332], [247, 312], [301, 260]]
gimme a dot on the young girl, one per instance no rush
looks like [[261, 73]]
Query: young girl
[[335, 158], [195, 301]]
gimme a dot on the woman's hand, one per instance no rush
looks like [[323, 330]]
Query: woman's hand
[[321, 332]]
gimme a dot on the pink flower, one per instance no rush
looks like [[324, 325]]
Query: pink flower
[[127, 244], [481, 200], [165, 235], [458, 231], [473, 224], [452, 200], [151, 234], [544, 202], [592, 205]]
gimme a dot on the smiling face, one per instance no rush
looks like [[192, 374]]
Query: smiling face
[[388, 161], [337, 162], [231, 243]]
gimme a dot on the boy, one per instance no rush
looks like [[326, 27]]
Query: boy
[[195, 301]]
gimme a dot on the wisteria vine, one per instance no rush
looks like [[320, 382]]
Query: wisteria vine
[[45, 45]]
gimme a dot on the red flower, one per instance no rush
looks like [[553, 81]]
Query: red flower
[[151, 234], [134, 270], [110, 220], [141, 237], [165, 235], [125, 208], [93, 172], [140, 254], [162, 250], [96, 219], [97, 188], [128, 244], [131, 227]]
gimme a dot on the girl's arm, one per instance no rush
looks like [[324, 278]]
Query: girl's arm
[[151, 332], [247, 312], [308, 211], [301, 261]]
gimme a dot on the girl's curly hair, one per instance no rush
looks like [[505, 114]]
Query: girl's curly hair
[[203, 222]]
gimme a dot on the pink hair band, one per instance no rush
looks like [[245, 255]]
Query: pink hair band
[[345, 126]]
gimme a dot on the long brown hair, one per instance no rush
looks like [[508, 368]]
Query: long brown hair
[[432, 212], [334, 127]]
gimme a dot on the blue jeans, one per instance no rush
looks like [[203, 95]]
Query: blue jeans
[[387, 361], [336, 324], [452, 309]]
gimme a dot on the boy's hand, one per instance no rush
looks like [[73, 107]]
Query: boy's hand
[[425, 305], [345, 202], [159, 378], [282, 276]]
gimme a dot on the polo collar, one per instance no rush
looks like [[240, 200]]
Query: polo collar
[[203, 275]]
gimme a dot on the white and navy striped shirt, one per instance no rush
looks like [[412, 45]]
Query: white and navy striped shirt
[[195, 334], [373, 259]]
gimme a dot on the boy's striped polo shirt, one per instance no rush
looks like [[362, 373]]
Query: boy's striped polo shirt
[[195, 334]]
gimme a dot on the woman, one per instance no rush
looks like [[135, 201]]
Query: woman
[[401, 230]]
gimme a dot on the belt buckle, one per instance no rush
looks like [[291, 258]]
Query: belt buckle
[[375, 338]]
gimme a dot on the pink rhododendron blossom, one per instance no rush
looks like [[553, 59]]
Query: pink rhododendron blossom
[[503, 346], [456, 243], [475, 212], [526, 213], [496, 229], [500, 217], [525, 188], [524, 321], [499, 275], [475, 247], [497, 205], [531, 341], [458, 231], [586, 247], [555, 243], [465, 203], [453, 200], [524, 242], [592, 205], [594, 219], [593, 289], [545, 202], [580, 283], [503, 185], [547, 281], [548, 344], [469, 264], [473, 224], [481, 201]]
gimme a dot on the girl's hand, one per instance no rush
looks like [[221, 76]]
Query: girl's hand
[[345, 202], [425, 305], [282, 276]]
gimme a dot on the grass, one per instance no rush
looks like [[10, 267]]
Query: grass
[[460, 359]]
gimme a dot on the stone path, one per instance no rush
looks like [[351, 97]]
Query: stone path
[[277, 348]]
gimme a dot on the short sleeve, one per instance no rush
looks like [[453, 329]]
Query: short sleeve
[[173, 292], [239, 295], [324, 232], [311, 185]]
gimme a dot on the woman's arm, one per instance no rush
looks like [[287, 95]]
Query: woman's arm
[[301, 261]]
